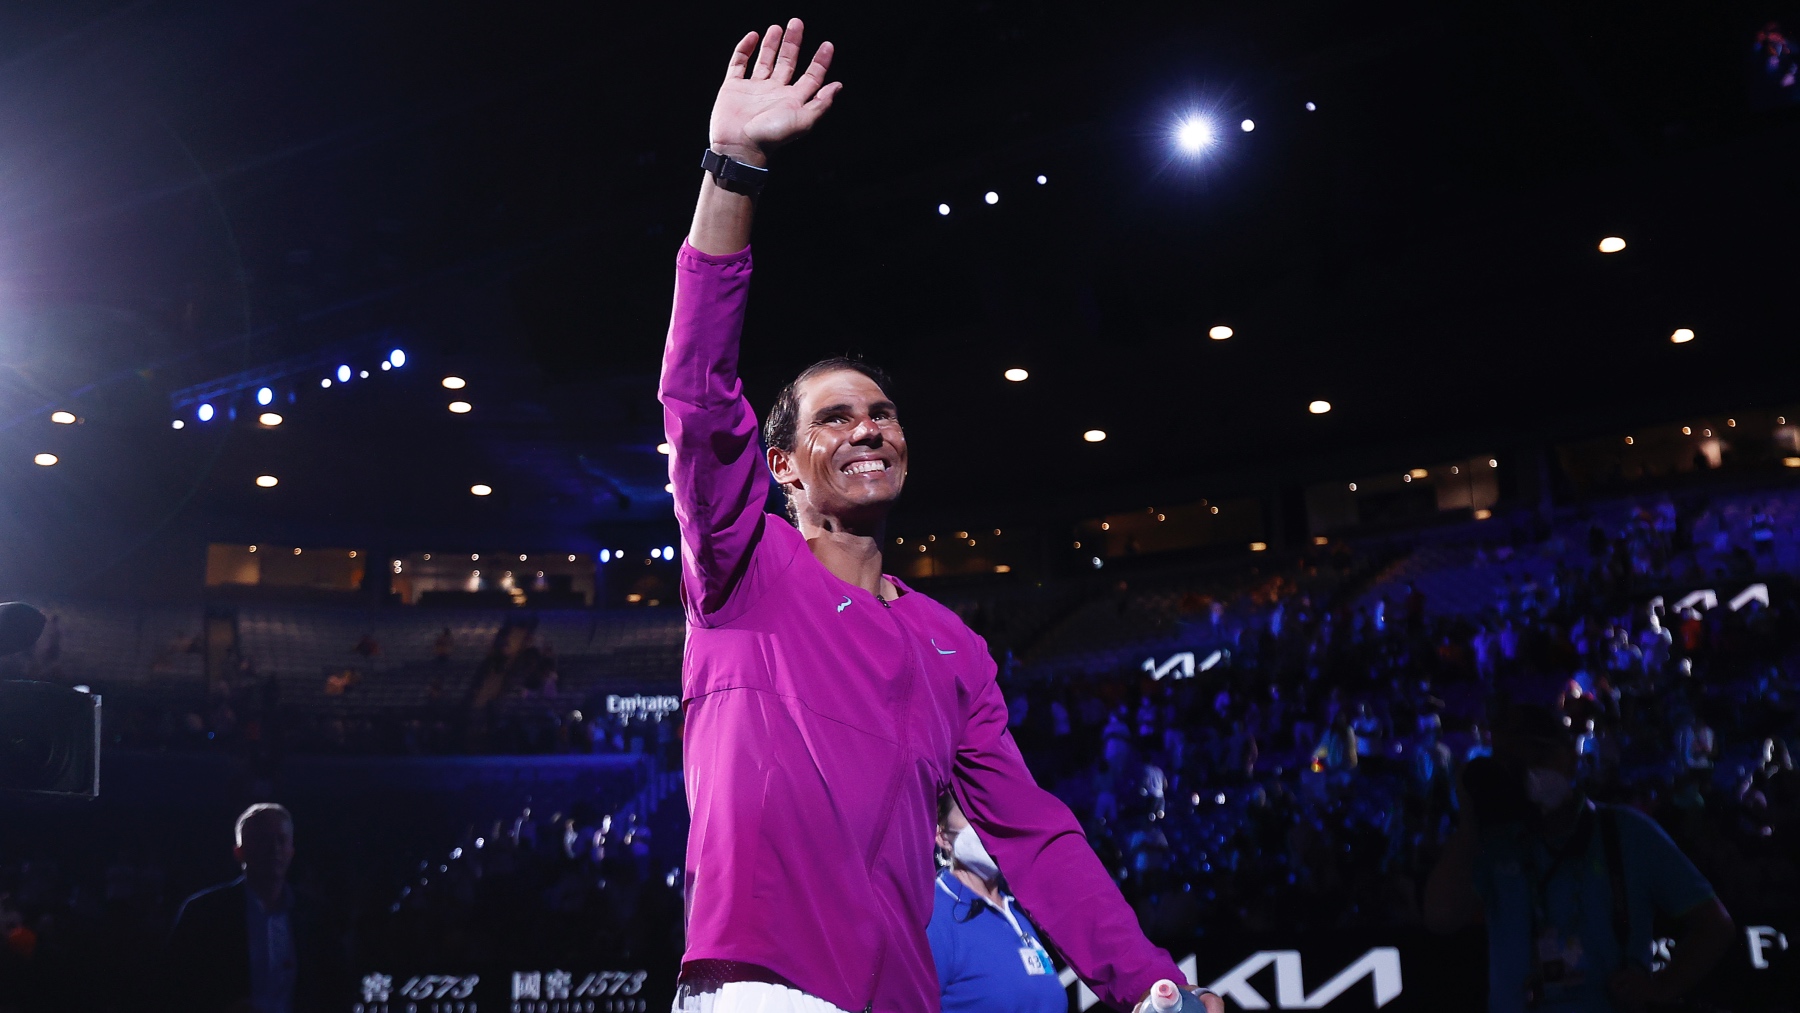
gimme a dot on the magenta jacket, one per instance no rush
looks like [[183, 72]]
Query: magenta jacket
[[822, 726]]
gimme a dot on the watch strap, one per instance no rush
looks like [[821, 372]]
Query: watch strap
[[733, 175]]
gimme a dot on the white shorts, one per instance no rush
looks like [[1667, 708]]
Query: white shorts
[[750, 997]]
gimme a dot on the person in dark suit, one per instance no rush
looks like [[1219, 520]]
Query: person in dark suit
[[246, 946]]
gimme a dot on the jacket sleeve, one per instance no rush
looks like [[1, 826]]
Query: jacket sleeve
[[1047, 861], [715, 460]]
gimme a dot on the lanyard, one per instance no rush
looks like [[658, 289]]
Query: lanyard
[[1004, 907]]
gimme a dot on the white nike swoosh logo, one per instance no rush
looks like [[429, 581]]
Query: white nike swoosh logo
[[845, 604], [940, 650]]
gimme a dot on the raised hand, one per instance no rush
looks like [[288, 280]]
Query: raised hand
[[767, 107]]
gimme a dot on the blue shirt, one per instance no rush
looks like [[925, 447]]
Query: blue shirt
[[977, 951], [1578, 907], [271, 952]]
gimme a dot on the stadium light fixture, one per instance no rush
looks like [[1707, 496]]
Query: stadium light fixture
[[63, 418], [1042, 179], [1682, 335], [364, 374], [44, 460], [1017, 375], [205, 413], [264, 395], [461, 407], [343, 374], [991, 197], [396, 358], [664, 448], [1194, 134], [943, 209], [1094, 435], [386, 365], [454, 382], [1220, 332], [1319, 407], [177, 424], [1247, 126], [268, 482], [1611, 244], [669, 552], [481, 490], [269, 419]]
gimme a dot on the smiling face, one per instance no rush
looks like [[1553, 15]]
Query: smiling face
[[849, 456]]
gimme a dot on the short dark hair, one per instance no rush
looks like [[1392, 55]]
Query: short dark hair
[[781, 427]]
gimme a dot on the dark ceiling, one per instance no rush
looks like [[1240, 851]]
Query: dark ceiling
[[190, 190]]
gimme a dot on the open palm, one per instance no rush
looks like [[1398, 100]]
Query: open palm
[[756, 113]]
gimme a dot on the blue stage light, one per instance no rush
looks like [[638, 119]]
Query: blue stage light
[[1194, 133], [264, 395], [397, 357], [669, 553], [343, 374], [205, 413], [605, 555]]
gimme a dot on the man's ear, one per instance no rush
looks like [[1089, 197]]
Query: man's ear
[[781, 465]]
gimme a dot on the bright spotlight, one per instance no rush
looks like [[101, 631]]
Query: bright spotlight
[[1311, 108], [1682, 336], [386, 365], [205, 413], [397, 357], [1247, 126], [178, 424], [669, 552], [1194, 133], [1042, 180], [1611, 244], [991, 197], [267, 481], [326, 382], [482, 490], [669, 487], [63, 418], [269, 419], [1319, 407], [461, 407], [44, 460], [943, 209], [664, 448], [264, 395], [655, 553], [605, 555], [364, 374], [454, 382], [1094, 435], [1220, 333], [1017, 375], [343, 374]]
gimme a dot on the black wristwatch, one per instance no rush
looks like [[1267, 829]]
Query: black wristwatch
[[733, 175]]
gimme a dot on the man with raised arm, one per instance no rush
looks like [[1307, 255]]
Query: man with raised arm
[[829, 705]]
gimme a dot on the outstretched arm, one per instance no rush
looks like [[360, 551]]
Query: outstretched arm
[[760, 107], [715, 461]]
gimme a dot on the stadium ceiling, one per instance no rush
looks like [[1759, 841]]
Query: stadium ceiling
[[1409, 233]]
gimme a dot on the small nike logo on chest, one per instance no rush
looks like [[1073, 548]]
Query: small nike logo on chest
[[940, 650], [844, 604]]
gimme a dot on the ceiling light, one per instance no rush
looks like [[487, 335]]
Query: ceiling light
[[669, 488], [178, 424], [296, 551], [396, 358], [1611, 244], [264, 395], [343, 374], [1483, 514], [669, 552], [1319, 407], [1321, 540], [269, 419], [1418, 473], [1406, 478], [1193, 134], [326, 382], [44, 460], [63, 418], [1258, 546], [1682, 336], [1214, 509], [364, 374], [205, 413], [1002, 568], [481, 490], [521, 557], [461, 407], [1220, 333], [267, 482], [252, 548], [1629, 441], [1247, 126], [454, 382], [474, 557], [1310, 107], [1043, 179], [943, 209], [386, 365], [1731, 422], [1792, 462], [1017, 375], [1687, 431], [605, 556], [664, 448], [1094, 435], [571, 557], [1492, 463], [1352, 486], [991, 197]]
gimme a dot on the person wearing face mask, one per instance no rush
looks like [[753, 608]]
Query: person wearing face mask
[[1568, 889], [990, 957]]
